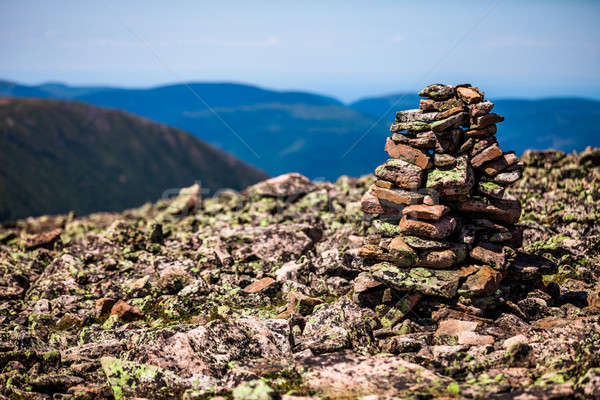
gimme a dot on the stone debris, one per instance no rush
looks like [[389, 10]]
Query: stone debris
[[289, 290], [444, 193]]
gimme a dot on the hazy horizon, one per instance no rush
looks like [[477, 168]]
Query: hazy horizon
[[306, 90], [348, 50]]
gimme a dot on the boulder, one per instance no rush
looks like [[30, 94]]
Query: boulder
[[453, 182], [407, 153], [401, 173], [439, 229], [291, 185], [430, 282]]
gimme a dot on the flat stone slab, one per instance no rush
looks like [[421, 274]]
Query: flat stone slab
[[401, 173], [292, 184], [439, 229], [416, 115], [437, 91], [349, 376], [407, 153], [431, 282], [456, 181], [504, 211]]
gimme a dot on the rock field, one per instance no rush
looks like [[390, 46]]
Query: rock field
[[264, 294]]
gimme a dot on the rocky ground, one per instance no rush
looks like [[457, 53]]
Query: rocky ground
[[261, 295]]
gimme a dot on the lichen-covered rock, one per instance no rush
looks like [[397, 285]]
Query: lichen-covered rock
[[336, 326], [439, 229], [437, 91], [351, 376], [291, 185], [129, 379], [453, 182], [426, 281], [453, 121], [207, 349], [415, 115], [400, 173], [254, 390], [200, 335], [273, 243], [400, 256]]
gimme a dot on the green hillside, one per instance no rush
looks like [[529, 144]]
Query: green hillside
[[59, 156]]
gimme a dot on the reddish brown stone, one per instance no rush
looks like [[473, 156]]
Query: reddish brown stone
[[453, 121], [400, 256], [486, 120], [489, 154], [422, 140], [443, 258], [481, 144], [452, 327], [440, 229], [484, 281], [507, 212], [429, 200], [397, 196], [474, 339], [448, 113], [370, 204], [425, 212], [487, 131], [497, 256], [479, 109], [260, 285], [383, 184], [444, 160], [407, 153], [494, 167], [43, 240], [399, 244], [104, 305], [302, 304], [126, 312], [469, 95], [444, 105], [448, 141], [438, 91], [401, 173]]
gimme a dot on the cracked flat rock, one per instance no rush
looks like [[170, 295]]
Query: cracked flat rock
[[287, 185], [426, 281], [351, 376]]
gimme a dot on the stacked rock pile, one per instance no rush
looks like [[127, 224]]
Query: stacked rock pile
[[445, 223]]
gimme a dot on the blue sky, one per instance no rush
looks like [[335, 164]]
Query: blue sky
[[348, 49]]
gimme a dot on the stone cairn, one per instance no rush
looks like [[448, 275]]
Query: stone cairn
[[444, 221]]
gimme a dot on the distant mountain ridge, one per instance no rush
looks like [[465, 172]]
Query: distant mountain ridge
[[60, 155], [319, 136]]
